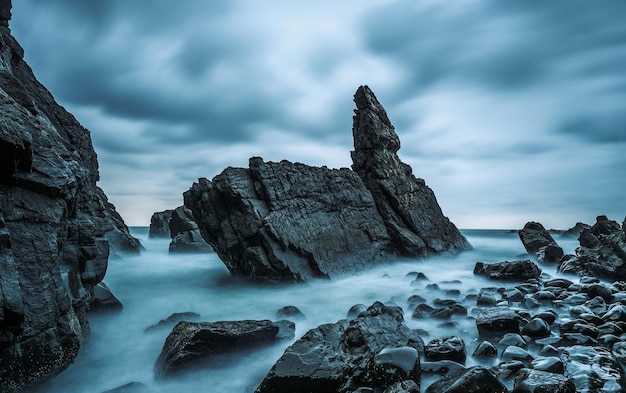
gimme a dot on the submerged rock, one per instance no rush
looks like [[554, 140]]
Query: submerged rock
[[57, 227], [173, 319], [375, 350], [602, 252], [535, 381], [192, 342], [290, 221]]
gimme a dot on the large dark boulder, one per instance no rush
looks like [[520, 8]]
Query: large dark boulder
[[160, 224], [57, 230], [375, 350], [185, 232], [538, 241], [290, 221], [508, 270], [189, 343], [602, 252]]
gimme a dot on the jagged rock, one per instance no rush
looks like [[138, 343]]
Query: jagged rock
[[289, 221], [447, 348], [342, 356], [192, 342], [576, 230], [160, 224], [534, 236], [472, 380], [535, 381], [602, 252], [58, 225], [508, 270], [185, 233]]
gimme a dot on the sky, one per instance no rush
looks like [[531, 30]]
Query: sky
[[512, 111]]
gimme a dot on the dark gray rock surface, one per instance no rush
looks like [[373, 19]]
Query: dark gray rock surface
[[534, 236], [185, 233], [57, 229], [160, 224], [472, 380], [342, 356], [508, 270], [192, 342], [602, 251], [290, 221]]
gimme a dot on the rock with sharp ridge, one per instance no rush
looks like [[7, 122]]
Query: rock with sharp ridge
[[290, 221], [160, 224], [57, 227]]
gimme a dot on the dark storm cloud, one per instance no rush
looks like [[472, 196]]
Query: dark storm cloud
[[597, 128], [502, 45]]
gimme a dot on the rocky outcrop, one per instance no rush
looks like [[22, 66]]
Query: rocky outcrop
[[375, 350], [185, 232], [192, 342], [508, 270], [160, 224], [538, 241], [602, 251], [290, 221], [58, 226]]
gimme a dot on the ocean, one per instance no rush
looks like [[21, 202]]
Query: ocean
[[156, 284]]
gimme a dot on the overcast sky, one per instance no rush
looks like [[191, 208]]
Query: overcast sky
[[511, 111]]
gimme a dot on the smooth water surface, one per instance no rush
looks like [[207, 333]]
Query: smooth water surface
[[156, 284]]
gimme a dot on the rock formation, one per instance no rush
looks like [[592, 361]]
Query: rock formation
[[56, 226], [538, 241], [160, 224], [290, 221], [602, 251], [179, 225]]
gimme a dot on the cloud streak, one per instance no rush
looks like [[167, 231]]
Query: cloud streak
[[511, 111]]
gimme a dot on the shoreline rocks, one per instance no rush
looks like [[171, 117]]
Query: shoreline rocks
[[57, 227], [178, 225], [293, 222]]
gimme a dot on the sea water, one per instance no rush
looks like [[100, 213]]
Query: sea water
[[155, 284]]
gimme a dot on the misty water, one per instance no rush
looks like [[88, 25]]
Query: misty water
[[156, 284]]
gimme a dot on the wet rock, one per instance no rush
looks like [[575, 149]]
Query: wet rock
[[160, 224], [549, 351], [536, 381], [355, 310], [337, 357], [173, 319], [497, 321], [512, 295], [486, 298], [602, 252], [286, 329], [558, 282], [592, 369], [550, 364], [408, 386], [485, 350], [441, 367], [576, 230], [394, 365], [103, 300], [549, 316], [600, 290], [536, 328], [550, 254], [507, 370], [474, 379], [616, 313], [291, 312], [447, 348], [534, 236], [57, 227], [185, 233], [512, 339], [189, 343], [508, 270], [414, 300], [513, 352], [347, 220]]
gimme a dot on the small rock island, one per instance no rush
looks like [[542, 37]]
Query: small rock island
[[294, 222]]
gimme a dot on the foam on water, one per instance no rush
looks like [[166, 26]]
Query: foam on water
[[156, 284]]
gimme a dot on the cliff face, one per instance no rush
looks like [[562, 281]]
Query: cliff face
[[56, 226], [290, 221]]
